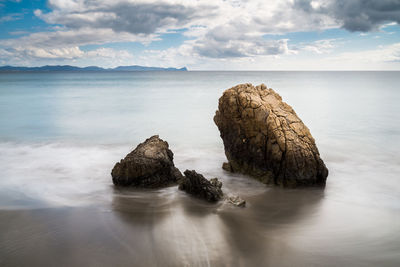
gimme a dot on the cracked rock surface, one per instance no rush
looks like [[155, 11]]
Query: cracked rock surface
[[149, 165], [263, 137]]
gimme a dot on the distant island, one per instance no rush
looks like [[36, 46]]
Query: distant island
[[48, 68]]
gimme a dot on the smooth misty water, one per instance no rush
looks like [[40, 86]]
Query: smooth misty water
[[61, 133]]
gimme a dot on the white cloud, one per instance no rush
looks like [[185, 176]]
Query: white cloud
[[114, 57], [321, 46], [382, 54], [220, 30], [65, 44], [11, 17], [37, 12], [55, 53], [5, 54], [68, 38], [107, 57], [215, 48]]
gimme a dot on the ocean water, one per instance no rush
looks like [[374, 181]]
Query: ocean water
[[61, 134]]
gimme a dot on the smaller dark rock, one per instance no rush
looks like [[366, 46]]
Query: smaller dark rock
[[237, 201], [195, 184]]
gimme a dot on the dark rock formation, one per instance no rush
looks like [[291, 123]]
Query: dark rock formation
[[195, 184], [264, 137], [149, 165]]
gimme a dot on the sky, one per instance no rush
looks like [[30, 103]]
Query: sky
[[203, 34]]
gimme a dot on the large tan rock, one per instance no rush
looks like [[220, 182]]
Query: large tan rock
[[264, 137]]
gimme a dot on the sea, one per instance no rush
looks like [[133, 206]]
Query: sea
[[62, 132]]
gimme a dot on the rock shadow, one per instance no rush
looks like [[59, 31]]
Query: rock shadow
[[143, 206], [255, 231]]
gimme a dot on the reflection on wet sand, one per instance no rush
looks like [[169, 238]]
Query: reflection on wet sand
[[181, 230], [158, 228], [169, 228], [260, 233]]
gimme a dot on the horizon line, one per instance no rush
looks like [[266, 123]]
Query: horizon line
[[203, 70]]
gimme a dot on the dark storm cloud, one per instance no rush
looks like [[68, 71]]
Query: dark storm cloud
[[135, 18], [357, 15]]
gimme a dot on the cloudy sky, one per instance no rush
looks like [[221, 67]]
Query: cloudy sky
[[203, 34]]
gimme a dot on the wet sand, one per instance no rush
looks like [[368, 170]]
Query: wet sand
[[167, 228]]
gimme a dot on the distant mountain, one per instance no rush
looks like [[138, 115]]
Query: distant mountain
[[141, 68], [90, 68]]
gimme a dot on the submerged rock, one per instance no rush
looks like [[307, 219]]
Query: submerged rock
[[149, 165], [195, 184], [237, 201], [264, 137]]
